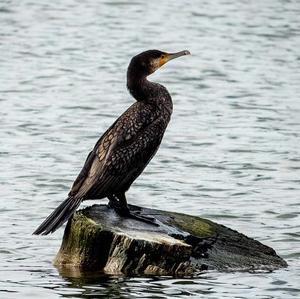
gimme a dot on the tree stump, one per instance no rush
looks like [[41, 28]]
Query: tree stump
[[98, 239]]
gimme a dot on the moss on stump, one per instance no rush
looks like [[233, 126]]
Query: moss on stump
[[97, 239]]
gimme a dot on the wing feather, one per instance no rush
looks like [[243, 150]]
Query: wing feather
[[121, 153]]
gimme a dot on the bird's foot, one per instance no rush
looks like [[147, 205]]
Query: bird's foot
[[137, 216], [125, 212]]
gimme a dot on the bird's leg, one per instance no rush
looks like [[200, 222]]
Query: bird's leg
[[113, 202], [123, 210]]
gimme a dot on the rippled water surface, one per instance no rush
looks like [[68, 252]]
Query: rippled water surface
[[231, 152]]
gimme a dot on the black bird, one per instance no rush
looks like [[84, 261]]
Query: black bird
[[125, 149]]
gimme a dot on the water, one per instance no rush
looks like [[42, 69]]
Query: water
[[231, 152]]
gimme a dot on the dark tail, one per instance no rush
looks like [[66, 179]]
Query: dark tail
[[59, 216]]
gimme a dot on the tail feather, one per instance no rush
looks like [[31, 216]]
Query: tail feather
[[59, 216]]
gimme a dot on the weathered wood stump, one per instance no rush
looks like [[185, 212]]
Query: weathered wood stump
[[97, 239]]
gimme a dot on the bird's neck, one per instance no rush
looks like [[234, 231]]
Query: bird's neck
[[144, 90], [139, 87]]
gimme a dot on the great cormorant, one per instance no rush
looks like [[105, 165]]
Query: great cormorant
[[125, 149]]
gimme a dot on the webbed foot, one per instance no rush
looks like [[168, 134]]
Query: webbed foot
[[121, 208], [137, 216], [125, 212]]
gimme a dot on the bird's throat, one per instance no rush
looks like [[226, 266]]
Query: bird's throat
[[139, 87]]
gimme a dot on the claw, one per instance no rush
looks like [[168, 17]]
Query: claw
[[134, 215], [149, 220]]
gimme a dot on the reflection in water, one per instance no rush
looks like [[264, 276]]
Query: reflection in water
[[105, 286], [231, 152], [96, 285]]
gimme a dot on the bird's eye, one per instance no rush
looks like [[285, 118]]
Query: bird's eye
[[162, 56]]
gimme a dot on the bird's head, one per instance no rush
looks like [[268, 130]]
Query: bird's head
[[149, 61]]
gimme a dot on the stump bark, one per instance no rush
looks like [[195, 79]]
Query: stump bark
[[97, 239]]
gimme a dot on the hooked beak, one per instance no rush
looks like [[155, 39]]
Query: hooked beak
[[169, 56], [178, 54]]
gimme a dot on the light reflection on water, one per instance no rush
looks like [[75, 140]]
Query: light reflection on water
[[231, 152]]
